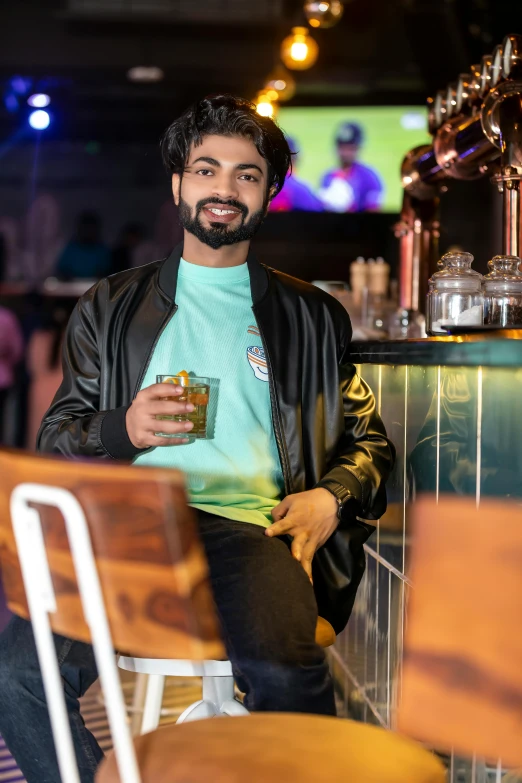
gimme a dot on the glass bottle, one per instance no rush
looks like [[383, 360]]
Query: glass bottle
[[454, 294], [503, 292]]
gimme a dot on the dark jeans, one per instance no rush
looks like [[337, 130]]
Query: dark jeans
[[268, 612]]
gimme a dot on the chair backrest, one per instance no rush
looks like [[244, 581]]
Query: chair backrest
[[106, 554], [462, 675], [150, 561]]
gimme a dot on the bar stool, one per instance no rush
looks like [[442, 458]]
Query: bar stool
[[218, 696], [280, 748]]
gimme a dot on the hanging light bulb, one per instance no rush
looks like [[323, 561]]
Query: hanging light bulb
[[299, 50], [270, 94], [282, 82], [265, 103], [323, 13]]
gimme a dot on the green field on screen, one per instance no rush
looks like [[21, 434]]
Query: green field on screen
[[389, 132]]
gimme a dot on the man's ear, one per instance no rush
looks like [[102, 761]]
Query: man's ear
[[176, 182], [271, 194]]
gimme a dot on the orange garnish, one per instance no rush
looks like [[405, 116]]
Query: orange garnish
[[181, 377]]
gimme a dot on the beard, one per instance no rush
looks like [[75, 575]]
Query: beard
[[219, 234]]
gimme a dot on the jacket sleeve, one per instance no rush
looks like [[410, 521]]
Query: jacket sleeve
[[74, 426], [365, 456]]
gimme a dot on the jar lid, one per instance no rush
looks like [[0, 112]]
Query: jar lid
[[456, 273], [505, 275]]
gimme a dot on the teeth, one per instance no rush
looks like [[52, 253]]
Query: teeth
[[222, 211]]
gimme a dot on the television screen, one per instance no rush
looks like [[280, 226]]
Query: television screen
[[348, 159]]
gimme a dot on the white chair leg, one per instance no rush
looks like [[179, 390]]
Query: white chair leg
[[138, 703], [197, 711], [152, 709], [218, 690], [233, 709]]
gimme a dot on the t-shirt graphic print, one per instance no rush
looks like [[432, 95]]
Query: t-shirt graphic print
[[256, 357]]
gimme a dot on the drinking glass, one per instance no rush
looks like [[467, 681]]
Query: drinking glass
[[196, 391]]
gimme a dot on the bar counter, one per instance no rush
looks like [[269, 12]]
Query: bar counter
[[453, 408], [493, 348]]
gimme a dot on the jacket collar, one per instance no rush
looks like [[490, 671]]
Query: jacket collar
[[168, 275]]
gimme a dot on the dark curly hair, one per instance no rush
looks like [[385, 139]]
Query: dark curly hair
[[225, 115]]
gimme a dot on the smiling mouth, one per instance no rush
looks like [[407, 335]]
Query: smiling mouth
[[219, 214], [217, 211]]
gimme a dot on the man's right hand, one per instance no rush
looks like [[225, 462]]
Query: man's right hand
[[141, 421]]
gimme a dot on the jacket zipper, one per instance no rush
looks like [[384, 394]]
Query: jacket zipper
[[160, 331], [278, 430]]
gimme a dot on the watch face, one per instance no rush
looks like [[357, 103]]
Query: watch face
[[349, 504]]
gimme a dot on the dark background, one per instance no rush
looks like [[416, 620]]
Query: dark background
[[101, 149]]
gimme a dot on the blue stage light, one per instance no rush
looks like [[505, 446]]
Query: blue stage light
[[11, 102], [39, 100], [39, 120], [20, 84]]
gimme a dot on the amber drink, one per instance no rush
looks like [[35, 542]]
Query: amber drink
[[195, 391]]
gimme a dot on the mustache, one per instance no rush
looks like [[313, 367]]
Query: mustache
[[219, 202]]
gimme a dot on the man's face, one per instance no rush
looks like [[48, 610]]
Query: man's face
[[222, 195], [348, 153]]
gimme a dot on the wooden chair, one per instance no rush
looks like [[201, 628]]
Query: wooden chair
[[119, 545], [119, 565], [462, 676]]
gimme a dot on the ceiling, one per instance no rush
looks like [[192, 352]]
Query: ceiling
[[382, 51]]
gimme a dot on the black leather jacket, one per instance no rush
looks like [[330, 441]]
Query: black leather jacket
[[327, 429]]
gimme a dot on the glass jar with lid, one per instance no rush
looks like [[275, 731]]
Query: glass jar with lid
[[454, 294], [503, 292]]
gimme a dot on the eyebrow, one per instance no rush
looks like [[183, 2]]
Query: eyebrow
[[240, 166]]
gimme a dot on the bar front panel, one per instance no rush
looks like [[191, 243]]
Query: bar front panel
[[455, 429]]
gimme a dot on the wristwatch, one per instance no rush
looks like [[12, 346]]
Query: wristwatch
[[344, 499]]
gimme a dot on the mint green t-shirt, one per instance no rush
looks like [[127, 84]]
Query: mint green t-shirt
[[236, 472]]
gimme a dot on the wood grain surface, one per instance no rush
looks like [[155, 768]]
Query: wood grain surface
[[278, 748], [151, 563], [462, 679]]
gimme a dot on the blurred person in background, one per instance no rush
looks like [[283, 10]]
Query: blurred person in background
[[353, 186], [297, 195], [43, 240], [298, 451], [136, 248], [131, 237], [13, 256], [86, 256], [11, 353], [44, 369]]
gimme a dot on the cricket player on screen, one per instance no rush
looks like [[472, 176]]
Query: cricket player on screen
[[353, 186]]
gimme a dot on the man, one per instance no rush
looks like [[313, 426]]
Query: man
[[296, 452], [297, 195], [353, 187]]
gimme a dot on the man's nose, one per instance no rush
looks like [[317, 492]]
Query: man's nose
[[225, 187]]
